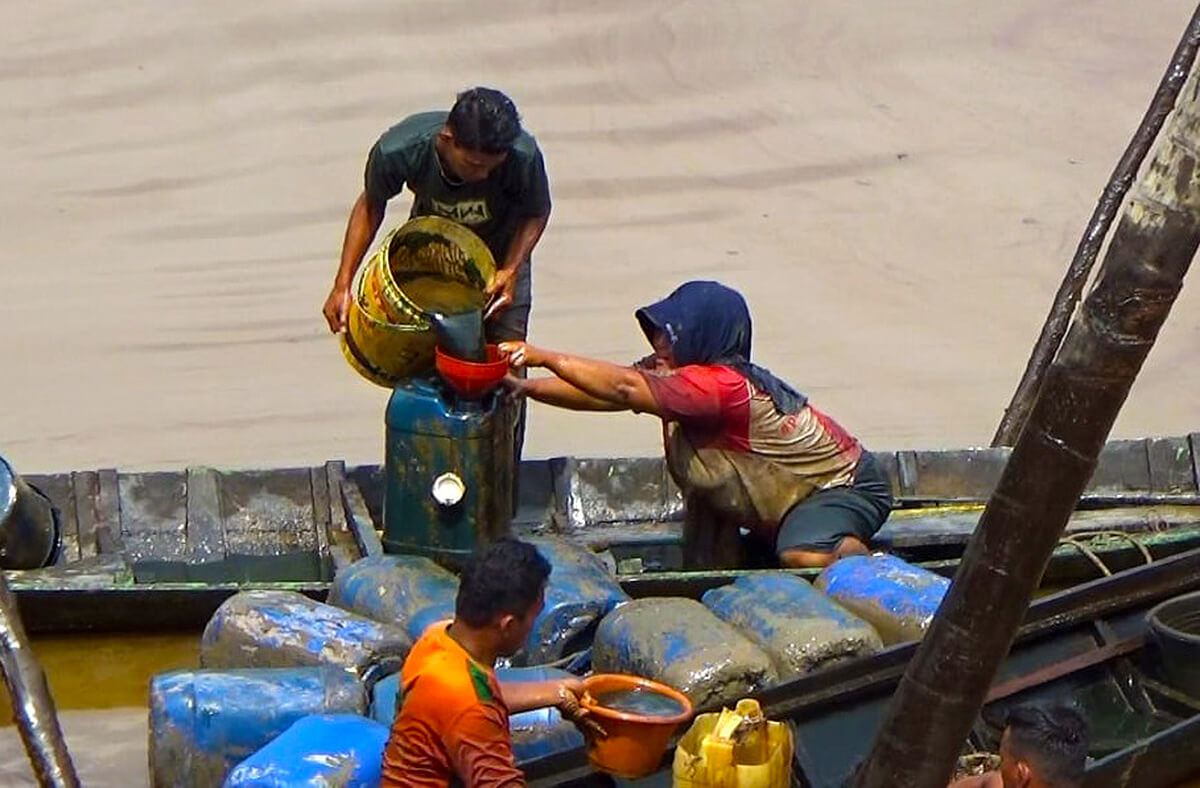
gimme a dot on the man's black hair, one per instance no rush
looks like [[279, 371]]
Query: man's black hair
[[485, 120], [1053, 738], [505, 577]]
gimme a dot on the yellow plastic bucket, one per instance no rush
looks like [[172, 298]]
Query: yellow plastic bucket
[[388, 337]]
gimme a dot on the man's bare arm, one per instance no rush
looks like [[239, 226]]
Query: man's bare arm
[[502, 289], [363, 224]]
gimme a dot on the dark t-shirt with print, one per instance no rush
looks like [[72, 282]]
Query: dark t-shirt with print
[[493, 208]]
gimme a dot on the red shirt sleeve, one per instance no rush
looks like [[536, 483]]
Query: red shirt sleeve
[[480, 750], [698, 394]]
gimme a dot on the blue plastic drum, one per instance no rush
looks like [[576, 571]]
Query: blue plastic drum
[[406, 590], [204, 722], [328, 750], [268, 629], [895, 597]]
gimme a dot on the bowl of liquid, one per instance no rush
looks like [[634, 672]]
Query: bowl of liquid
[[639, 716], [471, 379]]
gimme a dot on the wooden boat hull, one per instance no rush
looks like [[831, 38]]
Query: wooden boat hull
[[1086, 643], [161, 550]]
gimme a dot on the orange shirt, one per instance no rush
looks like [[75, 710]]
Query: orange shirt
[[453, 722]]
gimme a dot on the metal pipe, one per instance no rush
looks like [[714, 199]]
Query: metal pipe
[[30, 696]]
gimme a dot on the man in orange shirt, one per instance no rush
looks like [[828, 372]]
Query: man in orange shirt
[[453, 725]]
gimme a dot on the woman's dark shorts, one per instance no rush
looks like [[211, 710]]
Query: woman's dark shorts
[[820, 521]]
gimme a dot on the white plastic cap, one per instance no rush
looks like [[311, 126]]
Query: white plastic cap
[[448, 489]]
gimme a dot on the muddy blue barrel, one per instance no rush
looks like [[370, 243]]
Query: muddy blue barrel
[[796, 624], [535, 733], [268, 629], [329, 750], [448, 468], [682, 644], [894, 596], [30, 536], [204, 722], [409, 591], [580, 592]]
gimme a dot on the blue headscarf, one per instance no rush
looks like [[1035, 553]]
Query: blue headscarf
[[708, 323]]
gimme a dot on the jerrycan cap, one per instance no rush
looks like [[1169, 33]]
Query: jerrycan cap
[[448, 489]]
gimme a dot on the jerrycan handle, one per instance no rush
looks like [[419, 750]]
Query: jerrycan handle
[[753, 745]]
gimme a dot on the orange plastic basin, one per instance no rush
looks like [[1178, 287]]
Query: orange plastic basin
[[635, 743], [471, 379]]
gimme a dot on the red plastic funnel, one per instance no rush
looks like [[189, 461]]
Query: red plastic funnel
[[471, 379]]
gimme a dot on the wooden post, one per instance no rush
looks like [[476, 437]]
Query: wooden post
[[1067, 297], [32, 705], [1054, 456]]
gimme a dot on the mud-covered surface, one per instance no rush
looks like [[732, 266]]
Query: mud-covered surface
[[202, 723], [98, 571], [580, 592], [799, 627], [898, 599], [682, 644], [287, 629], [327, 750], [408, 591]]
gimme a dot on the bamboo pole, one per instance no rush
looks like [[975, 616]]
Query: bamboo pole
[[30, 696], [1054, 456], [1069, 292]]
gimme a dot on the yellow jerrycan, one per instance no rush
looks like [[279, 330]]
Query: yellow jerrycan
[[734, 749]]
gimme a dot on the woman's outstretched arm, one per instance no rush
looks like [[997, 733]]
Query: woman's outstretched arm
[[559, 393], [623, 388]]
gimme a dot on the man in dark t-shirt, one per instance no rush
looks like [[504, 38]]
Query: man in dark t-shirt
[[473, 165], [476, 166]]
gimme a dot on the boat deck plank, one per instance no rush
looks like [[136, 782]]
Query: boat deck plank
[[205, 530], [108, 512], [86, 487], [320, 499]]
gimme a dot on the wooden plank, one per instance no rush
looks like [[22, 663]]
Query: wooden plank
[[891, 466], [1170, 466], [57, 487], [108, 512], [951, 474], [1194, 445], [916, 528], [1123, 466], [335, 473], [906, 467], [205, 526], [358, 518], [86, 487], [1063, 668], [320, 497], [343, 549]]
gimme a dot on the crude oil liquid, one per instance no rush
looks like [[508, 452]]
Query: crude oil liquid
[[456, 310], [639, 701], [105, 671]]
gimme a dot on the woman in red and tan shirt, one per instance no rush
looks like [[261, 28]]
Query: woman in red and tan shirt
[[747, 450]]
